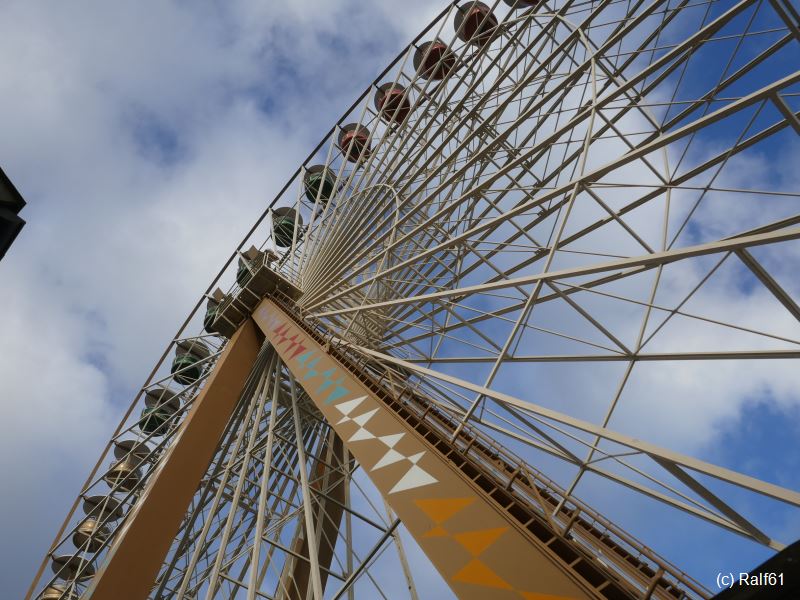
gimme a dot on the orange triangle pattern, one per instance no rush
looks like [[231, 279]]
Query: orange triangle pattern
[[441, 509], [477, 541], [437, 531], [479, 574]]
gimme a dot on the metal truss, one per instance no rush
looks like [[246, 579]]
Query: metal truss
[[597, 195]]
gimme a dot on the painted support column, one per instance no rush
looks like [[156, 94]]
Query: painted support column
[[480, 551], [140, 548]]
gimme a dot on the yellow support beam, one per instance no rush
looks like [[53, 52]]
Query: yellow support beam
[[139, 549], [477, 547]]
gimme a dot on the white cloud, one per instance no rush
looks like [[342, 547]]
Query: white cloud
[[146, 138]]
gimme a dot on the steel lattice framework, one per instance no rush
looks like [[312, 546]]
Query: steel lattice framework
[[530, 227]]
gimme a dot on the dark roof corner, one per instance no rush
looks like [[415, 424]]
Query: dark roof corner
[[11, 203]]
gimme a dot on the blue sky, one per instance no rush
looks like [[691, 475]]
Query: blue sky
[[146, 138]]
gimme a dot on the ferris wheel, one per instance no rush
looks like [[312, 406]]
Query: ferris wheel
[[498, 310]]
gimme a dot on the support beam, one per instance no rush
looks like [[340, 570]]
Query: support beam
[[477, 546], [744, 481], [769, 282], [141, 546], [647, 261]]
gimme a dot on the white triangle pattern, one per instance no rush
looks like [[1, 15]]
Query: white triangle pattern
[[347, 407], [391, 440], [361, 420], [415, 477], [361, 434], [414, 458], [391, 457]]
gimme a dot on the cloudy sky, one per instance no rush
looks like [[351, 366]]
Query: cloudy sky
[[146, 137]]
